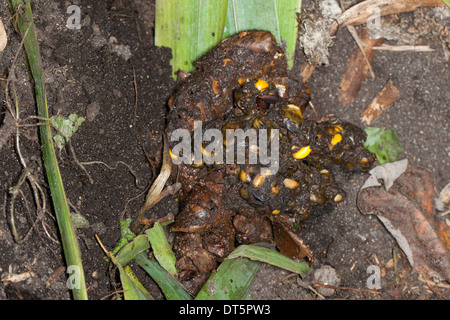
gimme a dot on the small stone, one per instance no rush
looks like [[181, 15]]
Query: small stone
[[326, 275]]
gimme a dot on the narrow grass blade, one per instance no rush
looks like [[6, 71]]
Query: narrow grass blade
[[189, 27], [69, 241], [269, 256], [161, 248], [133, 249], [133, 289], [172, 289], [231, 281]]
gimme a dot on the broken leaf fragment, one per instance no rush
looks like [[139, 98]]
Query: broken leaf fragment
[[66, 128], [383, 143], [387, 96]]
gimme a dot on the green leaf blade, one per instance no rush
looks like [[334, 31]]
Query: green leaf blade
[[231, 281], [252, 15], [266, 255], [133, 249], [133, 289], [277, 16], [161, 248], [288, 12], [190, 28], [172, 289]]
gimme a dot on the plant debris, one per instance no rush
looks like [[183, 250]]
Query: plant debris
[[387, 96], [357, 69], [66, 128], [408, 212]]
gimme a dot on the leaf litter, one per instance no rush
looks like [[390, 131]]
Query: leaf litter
[[407, 210]]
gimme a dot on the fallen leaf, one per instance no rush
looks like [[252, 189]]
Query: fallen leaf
[[383, 143], [388, 173], [408, 213], [387, 96]]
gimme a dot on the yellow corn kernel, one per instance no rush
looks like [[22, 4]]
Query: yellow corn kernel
[[244, 177], [261, 85], [275, 190], [336, 139], [290, 184], [302, 153], [275, 212], [335, 129], [337, 198], [258, 181], [241, 81]]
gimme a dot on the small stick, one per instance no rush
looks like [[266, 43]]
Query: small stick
[[346, 288], [387, 47]]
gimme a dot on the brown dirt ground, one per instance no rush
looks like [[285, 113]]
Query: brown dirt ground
[[86, 73]]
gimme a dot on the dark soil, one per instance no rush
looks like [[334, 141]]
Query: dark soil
[[110, 72]]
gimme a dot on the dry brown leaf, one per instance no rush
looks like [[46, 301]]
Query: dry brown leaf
[[388, 172], [357, 69], [408, 213], [387, 96]]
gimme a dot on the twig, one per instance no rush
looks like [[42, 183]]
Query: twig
[[346, 288], [317, 293], [387, 47]]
